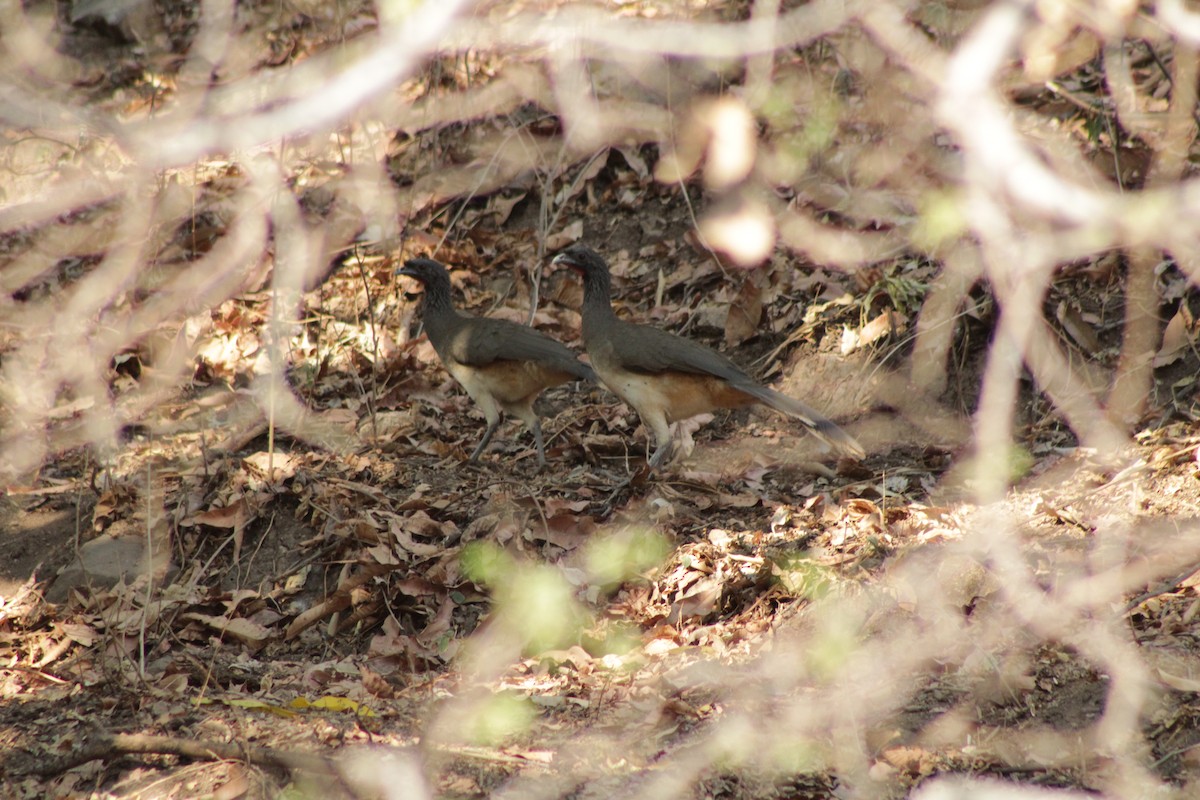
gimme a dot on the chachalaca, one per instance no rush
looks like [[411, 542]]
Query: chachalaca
[[667, 378], [502, 365]]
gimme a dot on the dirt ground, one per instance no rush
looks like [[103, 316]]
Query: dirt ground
[[356, 610]]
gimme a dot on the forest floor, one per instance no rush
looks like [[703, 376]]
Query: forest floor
[[390, 602]]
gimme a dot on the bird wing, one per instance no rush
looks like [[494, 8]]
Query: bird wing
[[647, 349], [641, 348], [487, 341]]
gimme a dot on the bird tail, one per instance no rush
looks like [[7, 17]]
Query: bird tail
[[586, 373], [822, 427]]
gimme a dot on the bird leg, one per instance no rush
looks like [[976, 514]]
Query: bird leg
[[610, 502], [483, 441], [662, 455], [536, 427], [638, 476]]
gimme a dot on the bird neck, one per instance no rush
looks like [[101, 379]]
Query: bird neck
[[597, 308], [437, 311], [436, 300]]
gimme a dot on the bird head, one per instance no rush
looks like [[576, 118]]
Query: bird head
[[433, 277], [582, 259], [425, 270]]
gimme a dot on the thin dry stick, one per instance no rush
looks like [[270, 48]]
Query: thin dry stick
[[112, 745], [369, 396], [934, 335], [339, 599], [1135, 368], [149, 562]]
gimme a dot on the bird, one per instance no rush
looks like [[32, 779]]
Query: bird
[[503, 366], [667, 378]]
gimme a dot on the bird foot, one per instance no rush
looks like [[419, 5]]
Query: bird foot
[[611, 502], [619, 492]]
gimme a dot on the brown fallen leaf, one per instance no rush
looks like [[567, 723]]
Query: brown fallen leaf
[[886, 324], [745, 314], [374, 683], [284, 464], [699, 600], [634, 159], [1078, 328], [243, 630], [236, 515], [568, 235], [737, 500], [230, 516], [1177, 338], [907, 758], [120, 497], [567, 531], [420, 523]]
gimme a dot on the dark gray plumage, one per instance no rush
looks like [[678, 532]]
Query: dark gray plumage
[[503, 366], [666, 378]]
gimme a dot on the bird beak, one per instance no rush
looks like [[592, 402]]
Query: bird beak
[[410, 270], [564, 260], [410, 289]]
